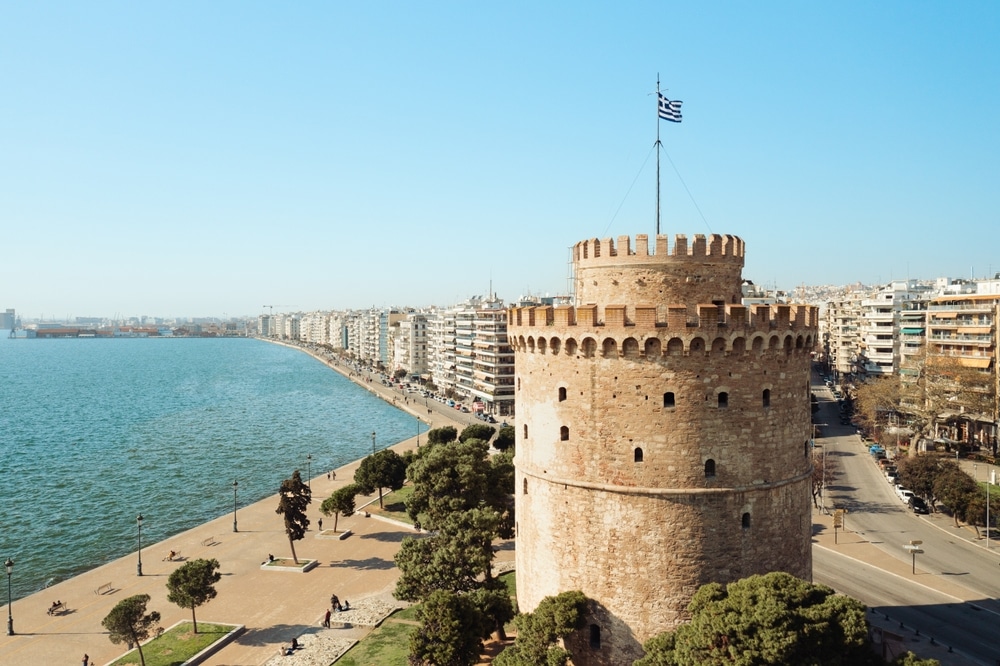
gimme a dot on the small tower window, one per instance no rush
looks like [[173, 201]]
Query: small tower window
[[805, 448], [525, 431], [562, 393], [524, 488], [723, 400], [766, 397], [638, 455], [564, 433], [668, 399], [746, 521], [595, 637], [709, 468]]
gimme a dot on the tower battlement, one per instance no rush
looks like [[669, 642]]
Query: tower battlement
[[717, 248], [709, 317]]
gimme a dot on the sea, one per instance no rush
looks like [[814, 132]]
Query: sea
[[94, 432]]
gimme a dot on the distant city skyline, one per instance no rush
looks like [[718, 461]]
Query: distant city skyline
[[189, 160]]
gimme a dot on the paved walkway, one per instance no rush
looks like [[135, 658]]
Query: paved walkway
[[274, 606]]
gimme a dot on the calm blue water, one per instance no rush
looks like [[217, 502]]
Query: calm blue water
[[93, 432]]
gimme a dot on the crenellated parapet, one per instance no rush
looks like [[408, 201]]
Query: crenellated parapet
[[709, 317], [721, 248]]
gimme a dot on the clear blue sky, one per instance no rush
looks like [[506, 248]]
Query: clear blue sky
[[201, 158]]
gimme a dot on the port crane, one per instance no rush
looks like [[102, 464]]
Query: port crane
[[273, 306]]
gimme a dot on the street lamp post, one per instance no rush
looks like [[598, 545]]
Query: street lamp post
[[235, 485], [373, 442], [309, 476], [10, 616], [138, 566], [418, 432]]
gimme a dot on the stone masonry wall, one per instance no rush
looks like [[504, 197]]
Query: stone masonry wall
[[658, 449]]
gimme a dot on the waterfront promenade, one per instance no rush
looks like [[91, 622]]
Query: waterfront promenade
[[274, 606]]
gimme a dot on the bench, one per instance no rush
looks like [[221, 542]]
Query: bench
[[345, 534], [103, 589], [210, 541], [58, 608], [169, 558]]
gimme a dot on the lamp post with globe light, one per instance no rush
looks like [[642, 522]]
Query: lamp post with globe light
[[235, 485], [138, 566], [10, 616]]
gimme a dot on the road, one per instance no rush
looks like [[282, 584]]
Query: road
[[953, 594]]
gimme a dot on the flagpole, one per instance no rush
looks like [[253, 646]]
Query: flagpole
[[657, 145]]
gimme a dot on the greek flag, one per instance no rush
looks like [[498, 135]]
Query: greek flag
[[670, 110]]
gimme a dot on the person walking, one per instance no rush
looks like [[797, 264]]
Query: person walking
[[319, 523], [326, 619], [86, 659]]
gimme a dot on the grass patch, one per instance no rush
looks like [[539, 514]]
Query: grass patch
[[394, 504], [406, 614], [510, 580], [177, 645], [387, 645]]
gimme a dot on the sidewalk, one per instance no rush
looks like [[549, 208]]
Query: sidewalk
[[897, 638], [274, 606]]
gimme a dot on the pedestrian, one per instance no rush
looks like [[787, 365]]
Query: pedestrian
[[320, 523], [326, 619], [333, 475], [327, 476], [86, 659]]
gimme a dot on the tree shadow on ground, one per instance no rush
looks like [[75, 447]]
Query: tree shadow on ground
[[376, 563], [277, 633], [391, 537]]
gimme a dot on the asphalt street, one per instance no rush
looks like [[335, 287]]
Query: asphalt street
[[948, 592]]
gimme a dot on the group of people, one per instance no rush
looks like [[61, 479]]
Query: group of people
[[285, 651], [335, 605], [56, 605]]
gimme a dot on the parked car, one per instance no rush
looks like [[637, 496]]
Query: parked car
[[917, 505], [892, 476], [905, 494]]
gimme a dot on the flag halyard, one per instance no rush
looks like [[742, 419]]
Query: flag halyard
[[669, 109]]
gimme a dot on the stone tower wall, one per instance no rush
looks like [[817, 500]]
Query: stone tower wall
[[661, 445]]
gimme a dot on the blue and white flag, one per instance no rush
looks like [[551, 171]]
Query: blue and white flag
[[670, 110]]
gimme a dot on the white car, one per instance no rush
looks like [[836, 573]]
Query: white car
[[904, 495]]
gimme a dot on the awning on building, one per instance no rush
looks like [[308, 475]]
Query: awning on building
[[976, 362], [912, 331]]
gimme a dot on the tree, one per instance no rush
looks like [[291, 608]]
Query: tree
[[384, 469], [919, 473], [442, 435], [341, 501], [129, 623], [458, 558], [505, 438], [537, 632], [823, 474], [500, 492], [293, 498], [448, 478], [477, 431], [399, 374], [193, 584], [875, 399], [955, 489], [494, 602], [450, 633], [771, 619]]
